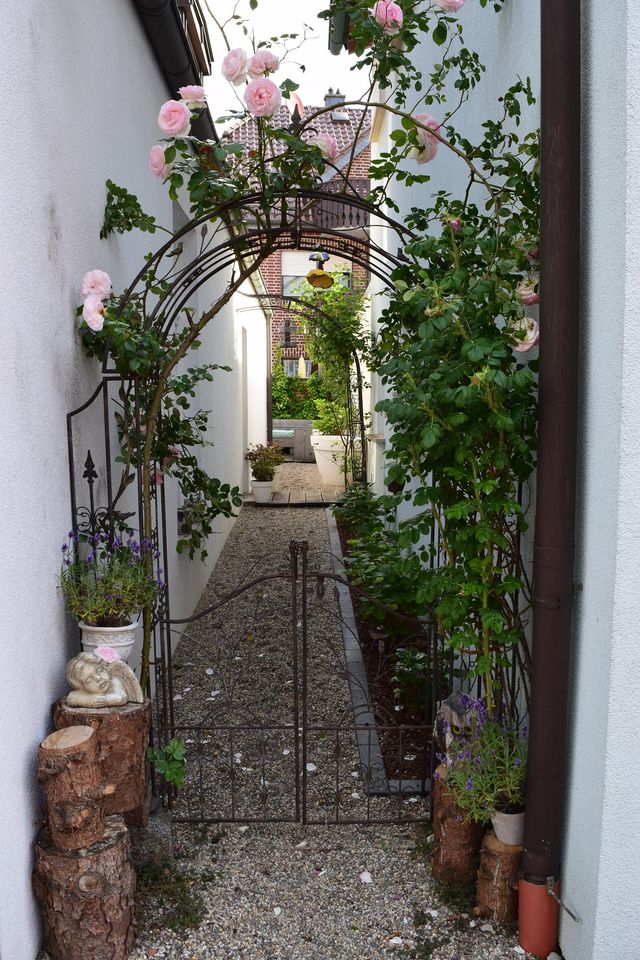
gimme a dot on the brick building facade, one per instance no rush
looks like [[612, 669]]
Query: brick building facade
[[284, 271]]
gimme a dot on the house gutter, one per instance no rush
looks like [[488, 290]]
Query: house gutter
[[554, 552], [163, 27]]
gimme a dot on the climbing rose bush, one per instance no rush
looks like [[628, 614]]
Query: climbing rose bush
[[527, 291], [527, 334], [234, 67], [262, 63], [262, 97], [93, 312], [193, 96], [159, 167], [96, 283], [174, 118], [450, 6], [389, 15], [326, 144], [451, 343], [428, 143]]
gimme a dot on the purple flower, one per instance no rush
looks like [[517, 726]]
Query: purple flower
[[517, 762], [64, 547], [90, 558], [469, 785]]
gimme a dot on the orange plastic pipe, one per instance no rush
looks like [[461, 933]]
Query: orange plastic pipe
[[537, 918]]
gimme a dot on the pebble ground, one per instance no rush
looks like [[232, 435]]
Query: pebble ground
[[288, 892]]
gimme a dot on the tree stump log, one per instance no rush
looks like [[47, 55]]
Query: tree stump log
[[87, 896], [456, 842], [497, 897], [69, 770], [123, 738]]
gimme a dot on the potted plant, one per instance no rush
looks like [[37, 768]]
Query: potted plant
[[105, 584], [264, 458], [486, 773]]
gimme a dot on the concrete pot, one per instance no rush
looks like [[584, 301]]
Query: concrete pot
[[121, 639], [262, 490], [509, 828], [329, 454]]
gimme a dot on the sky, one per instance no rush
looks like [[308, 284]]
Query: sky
[[272, 18]]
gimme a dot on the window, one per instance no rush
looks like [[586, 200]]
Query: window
[[292, 286], [291, 367]]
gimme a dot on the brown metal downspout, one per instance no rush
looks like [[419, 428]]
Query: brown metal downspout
[[556, 478]]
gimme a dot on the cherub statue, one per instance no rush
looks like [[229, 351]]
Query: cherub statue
[[96, 683]]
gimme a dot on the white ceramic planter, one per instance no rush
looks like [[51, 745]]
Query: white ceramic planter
[[262, 490], [509, 828], [329, 454], [121, 639]]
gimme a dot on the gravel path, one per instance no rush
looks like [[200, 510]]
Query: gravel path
[[270, 891], [301, 476]]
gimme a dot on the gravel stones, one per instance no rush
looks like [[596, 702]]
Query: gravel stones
[[283, 891]]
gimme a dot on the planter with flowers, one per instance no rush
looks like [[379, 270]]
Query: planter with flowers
[[485, 777], [106, 584], [264, 458], [487, 773]]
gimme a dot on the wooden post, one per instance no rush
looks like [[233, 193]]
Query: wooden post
[[69, 769], [498, 880], [123, 738], [87, 896], [456, 842]]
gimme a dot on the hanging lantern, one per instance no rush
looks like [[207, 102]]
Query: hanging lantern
[[317, 277]]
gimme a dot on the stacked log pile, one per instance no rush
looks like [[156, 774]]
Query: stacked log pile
[[93, 771]]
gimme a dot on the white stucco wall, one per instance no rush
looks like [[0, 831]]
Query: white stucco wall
[[84, 93], [601, 876]]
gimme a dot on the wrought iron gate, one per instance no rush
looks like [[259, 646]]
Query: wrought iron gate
[[296, 728]]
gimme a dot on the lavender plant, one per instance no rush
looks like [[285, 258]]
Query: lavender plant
[[487, 766], [110, 584]]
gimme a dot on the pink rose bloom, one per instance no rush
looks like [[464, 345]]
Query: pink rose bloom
[[234, 67], [174, 118], [326, 143], [389, 15], [428, 143], [526, 292], [531, 331], [454, 224], [451, 6], [262, 97], [193, 96], [107, 653], [93, 312], [96, 282], [158, 477], [262, 63], [159, 168]]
